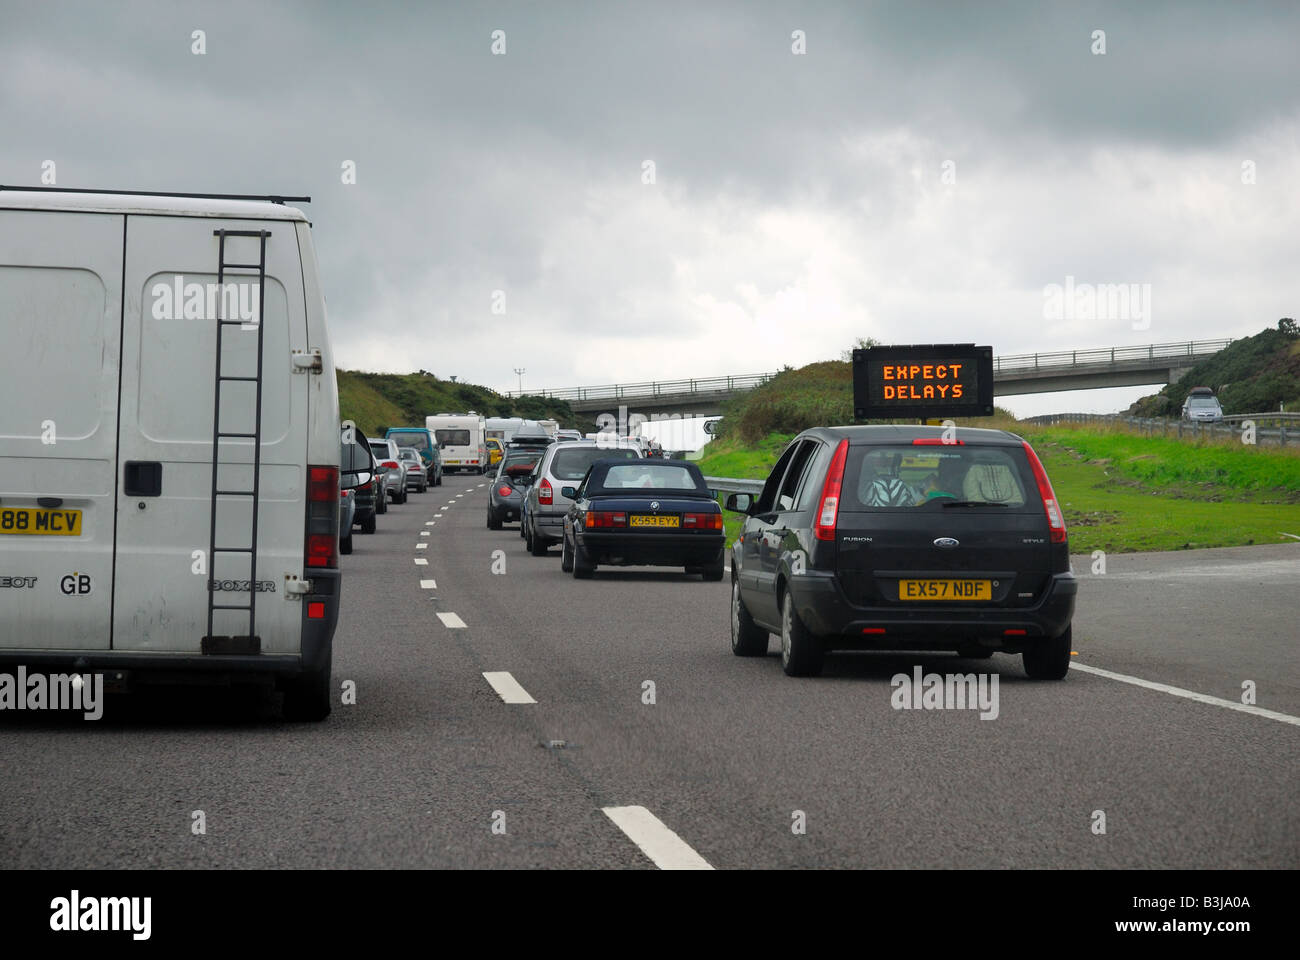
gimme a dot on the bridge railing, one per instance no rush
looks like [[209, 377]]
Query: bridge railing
[[654, 388], [1014, 363], [1017, 363]]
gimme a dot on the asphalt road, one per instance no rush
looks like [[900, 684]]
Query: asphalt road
[[730, 754]]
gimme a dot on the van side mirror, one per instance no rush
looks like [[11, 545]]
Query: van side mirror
[[739, 502]]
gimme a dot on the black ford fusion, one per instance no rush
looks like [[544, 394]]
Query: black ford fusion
[[643, 512], [506, 495], [904, 538]]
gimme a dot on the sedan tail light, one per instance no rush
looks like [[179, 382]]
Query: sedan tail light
[[829, 506], [702, 521], [605, 518], [545, 492], [390, 464], [1055, 519]]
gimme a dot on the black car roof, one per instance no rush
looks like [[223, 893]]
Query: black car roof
[[861, 434]]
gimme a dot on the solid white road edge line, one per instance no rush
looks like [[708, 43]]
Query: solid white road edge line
[[451, 620], [507, 687], [1189, 694], [667, 850]]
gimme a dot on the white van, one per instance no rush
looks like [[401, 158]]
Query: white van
[[460, 437], [126, 546]]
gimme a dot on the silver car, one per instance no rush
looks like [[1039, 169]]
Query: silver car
[[409, 457], [391, 470], [562, 465]]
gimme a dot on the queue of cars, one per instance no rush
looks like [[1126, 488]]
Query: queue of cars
[[604, 501], [863, 538], [382, 471]]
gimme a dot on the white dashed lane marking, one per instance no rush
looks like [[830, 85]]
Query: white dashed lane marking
[[428, 584], [667, 850], [429, 523], [421, 546], [507, 687], [424, 533], [421, 562], [451, 620], [1189, 694]]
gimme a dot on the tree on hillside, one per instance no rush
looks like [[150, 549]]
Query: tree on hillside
[[862, 343], [1288, 327]]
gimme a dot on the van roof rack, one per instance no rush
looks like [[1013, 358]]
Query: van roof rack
[[271, 198]]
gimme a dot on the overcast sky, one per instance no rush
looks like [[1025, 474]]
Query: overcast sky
[[921, 173]]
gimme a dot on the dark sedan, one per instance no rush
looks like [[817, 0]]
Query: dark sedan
[[643, 512], [509, 485]]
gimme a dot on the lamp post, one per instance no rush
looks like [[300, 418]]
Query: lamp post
[[520, 371]]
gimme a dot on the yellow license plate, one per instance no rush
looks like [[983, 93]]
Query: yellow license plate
[[37, 521], [945, 590], [648, 521]]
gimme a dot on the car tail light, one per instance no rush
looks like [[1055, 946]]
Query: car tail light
[[1055, 519], [390, 465], [702, 521], [504, 491], [605, 518], [544, 491], [321, 548], [829, 506]]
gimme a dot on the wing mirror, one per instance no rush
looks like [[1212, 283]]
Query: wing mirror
[[739, 502]]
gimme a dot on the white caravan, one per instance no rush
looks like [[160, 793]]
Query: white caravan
[[460, 437], [141, 535]]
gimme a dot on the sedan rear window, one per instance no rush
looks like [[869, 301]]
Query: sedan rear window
[[573, 463], [647, 475], [908, 477]]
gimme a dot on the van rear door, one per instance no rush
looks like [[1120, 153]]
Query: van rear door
[[164, 497], [60, 314]]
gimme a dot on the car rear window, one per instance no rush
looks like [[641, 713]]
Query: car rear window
[[573, 463], [647, 475], [907, 477]]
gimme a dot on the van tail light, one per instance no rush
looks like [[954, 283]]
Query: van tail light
[[1055, 519], [545, 493], [828, 507], [321, 548], [702, 521]]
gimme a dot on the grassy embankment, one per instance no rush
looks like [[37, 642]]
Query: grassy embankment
[[376, 401]]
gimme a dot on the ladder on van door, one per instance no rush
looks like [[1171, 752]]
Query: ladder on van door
[[250, 642]]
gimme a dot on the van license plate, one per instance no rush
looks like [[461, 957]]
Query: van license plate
[[37, 521], [945, 590]]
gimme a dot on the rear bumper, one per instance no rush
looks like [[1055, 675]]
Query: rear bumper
[[314, 652], [662, 550], [827, 612], [549, 523]]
